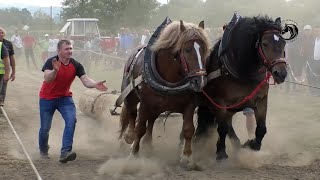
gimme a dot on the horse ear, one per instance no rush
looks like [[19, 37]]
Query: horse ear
[[278, 20], [201, 25], [182, 27]]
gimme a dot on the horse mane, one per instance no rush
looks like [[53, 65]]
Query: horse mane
[[258, 24], [172, 38], [243, 38]]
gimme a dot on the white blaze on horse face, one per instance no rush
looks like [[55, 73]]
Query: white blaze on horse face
[[276, 37], [197, 47]]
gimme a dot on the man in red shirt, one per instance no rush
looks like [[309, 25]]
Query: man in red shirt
[[59, 73], [29, 43]]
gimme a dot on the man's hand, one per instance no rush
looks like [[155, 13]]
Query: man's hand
[[13, 76], [6, 77], [100, 86], [56, 64]]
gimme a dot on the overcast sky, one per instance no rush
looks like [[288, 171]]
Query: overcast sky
[[42, 3]]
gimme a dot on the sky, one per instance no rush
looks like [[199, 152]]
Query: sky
[[42, 3]]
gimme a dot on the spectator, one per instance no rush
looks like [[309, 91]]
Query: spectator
[[29, 43], [59, 73]]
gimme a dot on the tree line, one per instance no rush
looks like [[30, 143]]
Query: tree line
[[114, 14]]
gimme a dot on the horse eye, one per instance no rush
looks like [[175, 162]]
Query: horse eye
[[188, 50], [265, 44]]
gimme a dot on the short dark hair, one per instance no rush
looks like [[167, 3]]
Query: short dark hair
[[63, 41]]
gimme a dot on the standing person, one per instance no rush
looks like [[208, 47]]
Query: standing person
[[316, 53], [59, 73], [44, 45], [4, 65], [307, 44], [250, 122], [29, 43], [52, 46], [17, 42], [145, 37], [9, 47]]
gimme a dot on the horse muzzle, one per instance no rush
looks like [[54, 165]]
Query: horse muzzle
[[198, 83], [279, 74]]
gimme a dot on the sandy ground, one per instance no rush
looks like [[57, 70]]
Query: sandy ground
[[290, 150]]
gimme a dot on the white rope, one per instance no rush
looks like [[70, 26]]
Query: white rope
[[24, 149], [102, 54], [294, 77], [311, 70]]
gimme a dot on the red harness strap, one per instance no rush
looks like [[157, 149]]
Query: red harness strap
[[254, 92], [184, 64]]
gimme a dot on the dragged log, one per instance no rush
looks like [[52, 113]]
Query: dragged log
[[95, 103]]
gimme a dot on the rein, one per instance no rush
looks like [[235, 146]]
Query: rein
[[253, 93]]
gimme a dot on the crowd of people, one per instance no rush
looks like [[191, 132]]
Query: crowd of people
[[304, 58]]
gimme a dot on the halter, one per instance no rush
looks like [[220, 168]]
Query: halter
[[196, 72], [267, 64]]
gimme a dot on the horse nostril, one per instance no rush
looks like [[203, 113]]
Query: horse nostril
[[196, 82], [284, 74]]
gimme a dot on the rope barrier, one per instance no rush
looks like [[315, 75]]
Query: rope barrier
[[311, 70], [306, 85], [102, 54], [294, 77], [23, 148]]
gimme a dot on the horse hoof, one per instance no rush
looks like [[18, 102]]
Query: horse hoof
[[222, 156], [133, 156], [252, 145], [128, 139], [148, 150], [191, 167]]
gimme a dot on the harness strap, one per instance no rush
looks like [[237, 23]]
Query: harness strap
[[214, 75], [134, 83], [253, 93]]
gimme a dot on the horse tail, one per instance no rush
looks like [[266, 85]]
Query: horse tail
[[124, 122], [206, 121]]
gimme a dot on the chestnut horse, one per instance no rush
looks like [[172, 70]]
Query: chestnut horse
[[179, 56], [238, 78]]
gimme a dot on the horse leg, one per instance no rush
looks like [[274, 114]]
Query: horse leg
[[188, 132], [128, 118], [147, 139], [261, 129], [140, 129], [221, 144], [206, 120], [235, 141]]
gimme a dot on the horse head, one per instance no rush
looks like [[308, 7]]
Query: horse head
[[271, 50], [192, 48], [256, 46]]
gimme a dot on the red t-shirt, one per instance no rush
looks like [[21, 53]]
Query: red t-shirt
[[60, 86], [28, 42]]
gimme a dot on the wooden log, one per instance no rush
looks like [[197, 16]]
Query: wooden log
[[96, 104]]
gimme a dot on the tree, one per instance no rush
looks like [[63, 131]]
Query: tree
[[14, 17], [112, 14]]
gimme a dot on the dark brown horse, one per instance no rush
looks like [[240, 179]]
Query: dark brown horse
[[238, 78], [179, 56]]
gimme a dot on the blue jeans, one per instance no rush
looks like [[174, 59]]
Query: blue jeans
[[248, 111], [67, 109]]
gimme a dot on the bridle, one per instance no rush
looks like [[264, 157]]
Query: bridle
[[268, 65], [201, 71]]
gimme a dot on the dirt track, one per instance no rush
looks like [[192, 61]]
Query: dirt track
[[290, 150]]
